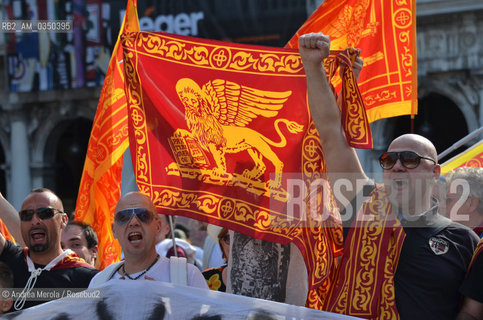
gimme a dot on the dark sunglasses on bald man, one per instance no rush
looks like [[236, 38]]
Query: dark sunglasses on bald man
[[409, 159], [42, 213], [144, 215]]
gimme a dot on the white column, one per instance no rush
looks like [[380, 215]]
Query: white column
[[20, 165]]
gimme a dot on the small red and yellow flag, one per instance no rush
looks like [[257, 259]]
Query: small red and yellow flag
[[100, 187], [473, 157], [386, 35]]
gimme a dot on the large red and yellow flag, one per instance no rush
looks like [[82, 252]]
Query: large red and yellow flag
[[473, 157], [221, 132], [386, 34], [100, 187]]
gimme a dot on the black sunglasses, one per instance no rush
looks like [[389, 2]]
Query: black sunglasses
[[42, 213], [409, 159], [144, 215]]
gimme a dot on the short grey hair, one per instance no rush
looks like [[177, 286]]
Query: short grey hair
[[474, 177]]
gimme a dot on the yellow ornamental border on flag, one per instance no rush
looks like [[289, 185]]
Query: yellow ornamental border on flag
[[213, 56]]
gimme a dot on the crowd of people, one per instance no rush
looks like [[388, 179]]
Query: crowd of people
[[428, 253]]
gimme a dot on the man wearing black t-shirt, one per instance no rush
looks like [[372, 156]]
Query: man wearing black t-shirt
[[42, 264], [401, 260]]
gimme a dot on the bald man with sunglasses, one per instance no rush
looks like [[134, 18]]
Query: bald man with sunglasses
[[408, 260], [136, 226], [43, 263]]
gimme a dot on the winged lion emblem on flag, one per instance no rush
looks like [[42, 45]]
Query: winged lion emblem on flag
[[217, 114]]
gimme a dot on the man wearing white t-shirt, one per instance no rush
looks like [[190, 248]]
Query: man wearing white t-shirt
[[136, 226]]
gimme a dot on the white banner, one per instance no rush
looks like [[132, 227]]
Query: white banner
[[144, 299]]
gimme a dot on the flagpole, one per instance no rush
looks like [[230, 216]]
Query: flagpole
[[460, 142], [170, 218]]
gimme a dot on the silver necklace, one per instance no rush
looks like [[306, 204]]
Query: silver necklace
[[142, 273]]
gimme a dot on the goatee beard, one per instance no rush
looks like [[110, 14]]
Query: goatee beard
[[38, 248]]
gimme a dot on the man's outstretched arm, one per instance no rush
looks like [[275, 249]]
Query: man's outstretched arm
[[340, 158], [9, 216]]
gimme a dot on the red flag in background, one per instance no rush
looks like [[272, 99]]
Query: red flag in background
[[100, 187], [386, 34], [220, 133], [473, 157]]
